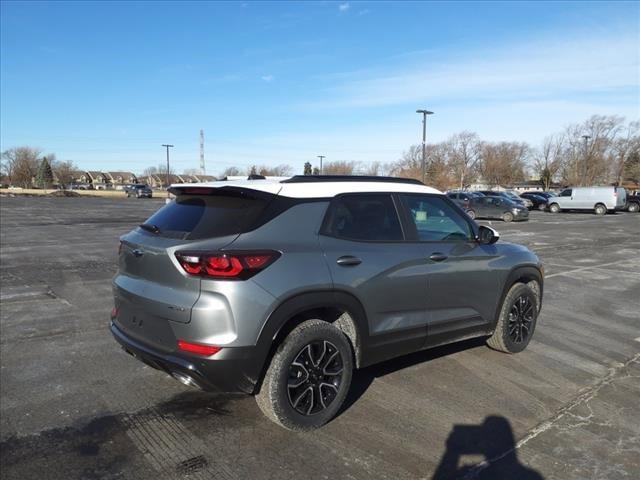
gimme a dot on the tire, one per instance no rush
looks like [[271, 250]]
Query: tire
[[514, 331], [554, 208], [295, 407], [542, 207], [634, 207], [471, 214], [600, 209], [507, 217]]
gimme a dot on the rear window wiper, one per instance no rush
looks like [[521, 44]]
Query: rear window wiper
[[150, 227]]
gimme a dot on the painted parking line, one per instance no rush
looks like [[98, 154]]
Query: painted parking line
[[590, 267]]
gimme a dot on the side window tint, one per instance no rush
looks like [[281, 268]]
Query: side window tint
[[370, 217], [566, 193], [435, 220]]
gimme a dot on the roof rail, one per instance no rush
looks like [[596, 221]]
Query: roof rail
[[348, 178]]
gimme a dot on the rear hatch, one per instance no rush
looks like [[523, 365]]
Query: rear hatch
[[151, 289]]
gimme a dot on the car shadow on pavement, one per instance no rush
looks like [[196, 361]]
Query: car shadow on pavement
[[363, 378], [494, 441]]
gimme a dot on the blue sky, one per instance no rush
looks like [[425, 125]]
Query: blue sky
[[105, 84]]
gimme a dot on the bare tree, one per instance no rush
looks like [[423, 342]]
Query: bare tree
[[20, 165], [282, 170], [464, 156], [65, 172], [503, 163], [231, 172], [623, 148], [547, 161], [339, 168]]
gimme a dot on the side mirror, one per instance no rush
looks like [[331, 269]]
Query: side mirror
[[487, 235]]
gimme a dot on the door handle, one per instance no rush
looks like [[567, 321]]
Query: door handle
[[348, 261], [438, 257]]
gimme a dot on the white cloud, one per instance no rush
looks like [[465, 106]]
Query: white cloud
[[343, 7], [551, 69], [268, 78]]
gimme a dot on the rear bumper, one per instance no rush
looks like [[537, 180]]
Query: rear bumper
[[232, 370]]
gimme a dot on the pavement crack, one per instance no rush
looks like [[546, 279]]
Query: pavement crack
[[583, 397]]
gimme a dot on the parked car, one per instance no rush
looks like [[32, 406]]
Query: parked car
[[598, 199], [80, 186], [508, 196], [139, 191], [538, 201], [462, 199], [281, 289], [546, 195], [493, 206], [633, 203]]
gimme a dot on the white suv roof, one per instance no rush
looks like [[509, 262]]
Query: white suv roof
[[322, 188]]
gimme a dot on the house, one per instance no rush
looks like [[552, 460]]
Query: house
[[118, 180], [533, 186], [97, 180]]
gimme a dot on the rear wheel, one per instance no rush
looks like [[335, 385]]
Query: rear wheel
[[600, 209], [554, 208], [308, 378], [472, 214], [634, 207], [507, 217], [517, 320]]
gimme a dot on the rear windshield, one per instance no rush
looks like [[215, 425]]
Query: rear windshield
[[195, 217]]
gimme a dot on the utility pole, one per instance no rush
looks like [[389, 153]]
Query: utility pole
[[424, 141], [586, 159], [167, 147], [321, 157]]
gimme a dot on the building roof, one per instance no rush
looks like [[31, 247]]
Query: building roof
[[324, 189], [120, 174]]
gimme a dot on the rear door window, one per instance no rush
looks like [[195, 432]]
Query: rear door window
[[363, 217], [207, 216]]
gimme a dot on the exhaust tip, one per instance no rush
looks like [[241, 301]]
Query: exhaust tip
[[185, 379]]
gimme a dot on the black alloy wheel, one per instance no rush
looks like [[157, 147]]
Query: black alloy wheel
[[315, 376], [521, 318]]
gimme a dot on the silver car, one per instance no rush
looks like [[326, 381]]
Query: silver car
[[281, 289]]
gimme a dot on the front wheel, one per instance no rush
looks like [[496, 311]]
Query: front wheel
[[471, 214], [517, 320], [507, 217], [542, 207], [308, 377], [554, 208]]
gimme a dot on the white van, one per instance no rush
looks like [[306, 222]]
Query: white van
[[598, 199]]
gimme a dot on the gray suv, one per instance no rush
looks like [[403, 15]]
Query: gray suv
[[281, 289]]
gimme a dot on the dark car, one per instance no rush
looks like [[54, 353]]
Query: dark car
[[539, 201], [505, 195], [281, 289], [462, 199], [491, 207], [139, 191], [633, 203]]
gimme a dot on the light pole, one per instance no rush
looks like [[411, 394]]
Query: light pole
[[424, 141], [321, 157], [167, 147], [586, 156]]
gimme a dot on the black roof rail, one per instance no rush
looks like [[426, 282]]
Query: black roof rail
[[255, 176], [348, 178]]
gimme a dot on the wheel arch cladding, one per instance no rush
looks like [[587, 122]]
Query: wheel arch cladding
[[521, 274], [339, 308]]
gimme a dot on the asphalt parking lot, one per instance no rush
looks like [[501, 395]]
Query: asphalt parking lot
[[73, 405]]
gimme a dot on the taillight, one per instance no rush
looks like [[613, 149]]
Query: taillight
[[228, 265], [198, 348]]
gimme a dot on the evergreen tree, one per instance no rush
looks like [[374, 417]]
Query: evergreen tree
[[307, 168], [316, 171], [44, 178]]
